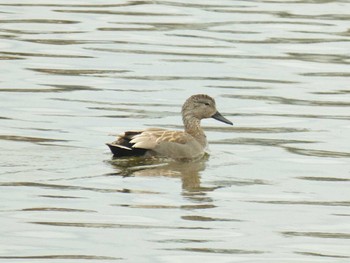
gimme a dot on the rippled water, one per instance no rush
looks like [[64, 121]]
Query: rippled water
[[275, 187]]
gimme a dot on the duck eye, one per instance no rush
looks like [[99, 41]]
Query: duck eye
[[206, 103]]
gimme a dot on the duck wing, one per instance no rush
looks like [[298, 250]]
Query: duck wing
[[123, 147], [173, 144], [159, 142], [151, 138]]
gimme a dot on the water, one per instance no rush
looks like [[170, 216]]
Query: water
[[275, 187]]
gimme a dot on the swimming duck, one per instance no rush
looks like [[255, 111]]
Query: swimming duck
[[188, 144]]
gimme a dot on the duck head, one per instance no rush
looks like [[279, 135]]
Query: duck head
[[202, 106]]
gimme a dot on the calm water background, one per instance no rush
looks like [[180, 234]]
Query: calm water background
[[276, 185]]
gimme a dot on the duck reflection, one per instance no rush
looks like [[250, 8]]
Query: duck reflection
[[189, 172]]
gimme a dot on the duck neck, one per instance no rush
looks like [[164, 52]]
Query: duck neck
[[193, 127]]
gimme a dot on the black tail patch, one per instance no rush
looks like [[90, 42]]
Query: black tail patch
[[122, 146], [120, 151]]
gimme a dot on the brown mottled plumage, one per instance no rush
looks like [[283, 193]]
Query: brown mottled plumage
[[188, 144]]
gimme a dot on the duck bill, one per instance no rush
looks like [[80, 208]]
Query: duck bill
[[219, 117]]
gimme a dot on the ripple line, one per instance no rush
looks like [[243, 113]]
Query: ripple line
[[113, 225], [290, 101], [218, 250], [70, 187], [77, 72], [316, 234], [29, 139], [86, 257], [313, 203]]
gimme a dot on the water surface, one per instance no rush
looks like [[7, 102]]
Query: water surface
[[275, 187]]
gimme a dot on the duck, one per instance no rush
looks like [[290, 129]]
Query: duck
[[189, 144]]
